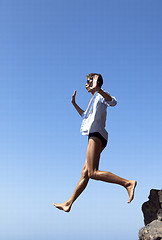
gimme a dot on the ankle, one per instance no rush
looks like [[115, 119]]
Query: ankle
[[127, 184], [68, 203]]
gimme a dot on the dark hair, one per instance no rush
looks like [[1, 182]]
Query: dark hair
[[100, 79]]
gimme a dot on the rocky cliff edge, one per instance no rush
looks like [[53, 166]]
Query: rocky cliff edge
[[152, 211]]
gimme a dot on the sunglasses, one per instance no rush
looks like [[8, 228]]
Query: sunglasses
[[89, 80]]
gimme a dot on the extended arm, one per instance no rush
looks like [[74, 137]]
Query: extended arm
[[79, 110]]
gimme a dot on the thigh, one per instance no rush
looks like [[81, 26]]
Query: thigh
[[93, 153]]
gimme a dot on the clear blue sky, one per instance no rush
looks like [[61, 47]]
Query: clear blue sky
[[46, 50]]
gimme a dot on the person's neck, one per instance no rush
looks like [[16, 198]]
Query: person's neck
[[93, 92]]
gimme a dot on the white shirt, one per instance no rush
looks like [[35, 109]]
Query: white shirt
[[94, 118]]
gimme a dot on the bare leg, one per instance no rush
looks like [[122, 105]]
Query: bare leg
[[66, 206], [93, 155], [90, 170], [112, 178]]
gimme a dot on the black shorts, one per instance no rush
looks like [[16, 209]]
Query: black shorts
[[98, 135]]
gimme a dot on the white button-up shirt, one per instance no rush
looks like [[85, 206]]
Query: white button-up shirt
[[94, 118]]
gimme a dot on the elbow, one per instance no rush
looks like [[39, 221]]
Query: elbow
[[113, 103]]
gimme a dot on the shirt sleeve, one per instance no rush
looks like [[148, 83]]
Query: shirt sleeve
[[111, 103], [83, 115]]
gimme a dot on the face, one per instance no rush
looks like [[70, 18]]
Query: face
[[89, 83], [92, 84]]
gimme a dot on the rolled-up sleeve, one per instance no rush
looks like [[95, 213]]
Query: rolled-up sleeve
[[83, 115], [111, 103]]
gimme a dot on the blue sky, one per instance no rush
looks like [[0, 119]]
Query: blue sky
[[47, 48]]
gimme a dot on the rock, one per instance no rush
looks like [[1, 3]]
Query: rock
[[151, 207], [160, 197], [159, 215], [152, 211], [152, 231]]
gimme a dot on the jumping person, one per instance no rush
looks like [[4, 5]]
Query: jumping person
[[93, 125]]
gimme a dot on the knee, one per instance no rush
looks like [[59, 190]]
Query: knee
[[85, 173], [91, 174]]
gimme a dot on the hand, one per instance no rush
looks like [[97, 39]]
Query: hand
[[73, 97]]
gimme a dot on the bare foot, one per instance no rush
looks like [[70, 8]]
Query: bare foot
[[130, 189], [63, 206]]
